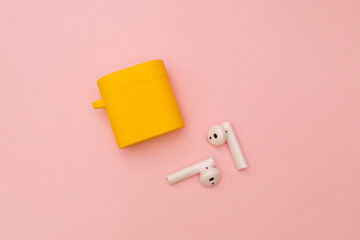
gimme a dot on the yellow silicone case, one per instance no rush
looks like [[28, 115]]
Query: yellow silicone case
[[140, 103]]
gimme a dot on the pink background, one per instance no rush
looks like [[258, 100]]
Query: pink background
[[285, 73]]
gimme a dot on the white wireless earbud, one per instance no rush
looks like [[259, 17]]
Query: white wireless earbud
[[219, 134], [209, 175]]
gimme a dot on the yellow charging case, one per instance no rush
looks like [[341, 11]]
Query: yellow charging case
[[140, 103]]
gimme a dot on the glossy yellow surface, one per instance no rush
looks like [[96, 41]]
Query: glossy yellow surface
[[140, 103]]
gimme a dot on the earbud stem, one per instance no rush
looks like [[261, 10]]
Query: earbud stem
[[234, 146]]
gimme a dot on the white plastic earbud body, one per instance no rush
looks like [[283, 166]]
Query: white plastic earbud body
[[209, 175], [219, 134]]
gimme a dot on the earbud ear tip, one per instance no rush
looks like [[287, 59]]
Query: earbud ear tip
[[216, 135], [210, 177]]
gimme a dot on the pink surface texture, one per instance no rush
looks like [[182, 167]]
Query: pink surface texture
[[285, 73]]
